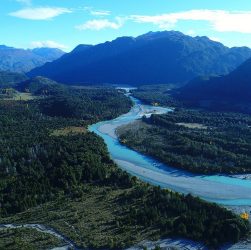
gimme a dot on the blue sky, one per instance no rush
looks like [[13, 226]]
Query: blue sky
[[65, 23]]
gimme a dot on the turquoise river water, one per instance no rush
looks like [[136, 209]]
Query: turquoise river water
[[226, 190]]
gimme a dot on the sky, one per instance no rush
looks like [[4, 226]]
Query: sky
[[66, 23]]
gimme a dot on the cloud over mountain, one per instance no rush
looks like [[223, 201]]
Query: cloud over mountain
[[219, 20]]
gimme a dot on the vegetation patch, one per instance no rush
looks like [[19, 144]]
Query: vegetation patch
[[192, 125], [11, 94], [27, 239], [18, 96], [69, 131]]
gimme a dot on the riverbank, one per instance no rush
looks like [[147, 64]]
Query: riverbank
[[168, 244], [182, 244], [45, 234], [242, 176]]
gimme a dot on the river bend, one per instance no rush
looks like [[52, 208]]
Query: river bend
[[226, 190]]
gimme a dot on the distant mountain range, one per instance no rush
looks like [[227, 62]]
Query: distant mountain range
[[21, 60], [153, 58], [228, 93]]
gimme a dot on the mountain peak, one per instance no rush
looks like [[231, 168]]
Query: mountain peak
[[161, 34], [81, 47]]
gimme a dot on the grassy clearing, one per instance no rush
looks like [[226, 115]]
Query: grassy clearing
[[192, 125], [27, 239], [18, 96], [69, 131]]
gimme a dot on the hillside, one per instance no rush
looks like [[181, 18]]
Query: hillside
[[21, 60], [155, 57], [8, 79], [229, 93], [39, 85]]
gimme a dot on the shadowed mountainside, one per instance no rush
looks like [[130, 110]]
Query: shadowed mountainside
[[152, 58], [229, 93]]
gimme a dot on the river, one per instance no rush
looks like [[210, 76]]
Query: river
[[225, 190]]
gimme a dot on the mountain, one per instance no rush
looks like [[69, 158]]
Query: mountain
[[228, 93], [21, 60], [153, 58], [9, 79]]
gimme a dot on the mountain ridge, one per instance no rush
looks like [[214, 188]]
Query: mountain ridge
[[152, 58]]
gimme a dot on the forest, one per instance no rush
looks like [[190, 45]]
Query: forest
[[88, 104], [157, 94], [39, 166], [35, 165], [198, 141], [183, 216]]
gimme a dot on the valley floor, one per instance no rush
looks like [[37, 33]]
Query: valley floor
[[62, 177]]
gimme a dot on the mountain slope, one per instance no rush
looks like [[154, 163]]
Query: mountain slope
[[230, 93], [21, 60], [156, 57], [9, 79]]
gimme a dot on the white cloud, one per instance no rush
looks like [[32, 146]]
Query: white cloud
[[100, 12], [47, 44], [216, 39], [191, 32], [99, 24], [41, 13], [94, 12], [220, 20]]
